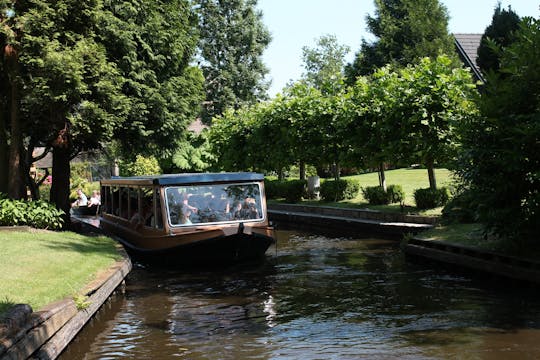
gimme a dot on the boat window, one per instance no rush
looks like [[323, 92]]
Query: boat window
[[210, 204]]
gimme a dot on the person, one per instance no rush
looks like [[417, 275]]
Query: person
[[95, 199], [186, 213], [142, 218], [82, 200]]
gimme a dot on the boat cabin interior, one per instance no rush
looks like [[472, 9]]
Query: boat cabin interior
[[175, 202]]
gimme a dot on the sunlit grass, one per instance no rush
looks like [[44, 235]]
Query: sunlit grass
[[409, 179], [40, 267]]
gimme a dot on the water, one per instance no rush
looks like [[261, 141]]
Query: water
[[315, 298]]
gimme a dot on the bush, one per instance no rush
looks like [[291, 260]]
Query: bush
[[333, 190], [291, 190], [294, 190], [39, 214], [375, 195], [461, 209], [429, 198], [396, 193], [272, 188]]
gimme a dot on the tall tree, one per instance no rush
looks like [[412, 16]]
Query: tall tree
[[153, 45], [232, 40], [324, 63], [500, 159], [405, 31], [500, 33]]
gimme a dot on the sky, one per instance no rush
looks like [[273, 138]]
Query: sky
[[298, 23]]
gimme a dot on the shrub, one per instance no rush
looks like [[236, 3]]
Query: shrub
[[272, 188], [430, 198], [294, 190], [395, 193], [375, 195], [39, 214], [333, 190], [461, 209]]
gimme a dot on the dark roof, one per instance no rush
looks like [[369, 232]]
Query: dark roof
[[182, 179], [467, 48]]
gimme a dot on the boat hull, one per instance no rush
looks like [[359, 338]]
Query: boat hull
[[210, 252]]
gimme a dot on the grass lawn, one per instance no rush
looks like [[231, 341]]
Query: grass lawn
[[409, 179], [39, 267]]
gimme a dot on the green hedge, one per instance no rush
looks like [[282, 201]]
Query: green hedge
[[332, 190], [375, 195], [429, 198], [38, 214], [291, 190]]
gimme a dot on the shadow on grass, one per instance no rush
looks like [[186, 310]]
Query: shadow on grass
[[84, 244]]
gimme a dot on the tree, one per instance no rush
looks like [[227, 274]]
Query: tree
[[324, 63], [232, 40], [86, 69], [404, 33], [499, 33], [500, 159], [153, 45], [435, 100]]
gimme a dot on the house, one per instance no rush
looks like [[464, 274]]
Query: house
[[467, 48]]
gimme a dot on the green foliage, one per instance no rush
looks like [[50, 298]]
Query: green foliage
[[395, 193], [141, 166], [38, 214], [461, 208], [294, 190], [499, 34], [232, 40], [431, 198], [324, 64], [272, 188], [499, 159], [375, 195], [337, 190], [403, 35], [291, 190]]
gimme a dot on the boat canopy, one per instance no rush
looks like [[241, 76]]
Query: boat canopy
[[184, 179]]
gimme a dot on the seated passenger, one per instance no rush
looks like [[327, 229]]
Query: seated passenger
[[184, 218], [95, 199], [82, 200]]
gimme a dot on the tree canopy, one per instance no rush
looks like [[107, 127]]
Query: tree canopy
[[232, 40], [404, 34], [499, 34], [500, 161]]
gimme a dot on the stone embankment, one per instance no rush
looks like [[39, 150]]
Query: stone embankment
[[45, 333], [363, 221]]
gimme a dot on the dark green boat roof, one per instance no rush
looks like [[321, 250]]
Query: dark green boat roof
[[184, 179]]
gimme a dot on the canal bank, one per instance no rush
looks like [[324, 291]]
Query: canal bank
[[44, 334], [355, 221], [403, 226]]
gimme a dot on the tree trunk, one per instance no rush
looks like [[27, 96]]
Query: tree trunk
[[431, 174], [16, 179], [382, 176], [4, 153], [60, 185], [281, 174], [302, 170]]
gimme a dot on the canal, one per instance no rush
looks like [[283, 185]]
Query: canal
[[316, 297]]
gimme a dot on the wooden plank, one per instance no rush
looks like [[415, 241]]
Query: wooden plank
[[36, 337], [58, 342]]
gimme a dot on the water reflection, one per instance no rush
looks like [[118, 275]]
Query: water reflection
[[316, 297]]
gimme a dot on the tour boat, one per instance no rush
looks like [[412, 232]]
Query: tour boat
[[188, 219]]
